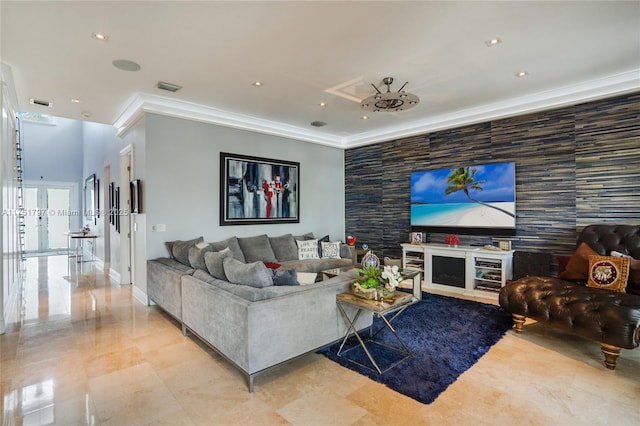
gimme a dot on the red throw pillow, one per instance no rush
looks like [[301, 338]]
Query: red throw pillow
[[578, 267], [272, 265]]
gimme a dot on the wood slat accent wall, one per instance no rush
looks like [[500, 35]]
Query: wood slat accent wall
[[574, 166]]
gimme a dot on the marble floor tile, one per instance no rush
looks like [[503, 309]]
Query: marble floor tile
[[85, 352]]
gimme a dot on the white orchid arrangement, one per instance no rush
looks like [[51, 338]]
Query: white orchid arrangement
[[391, 274]]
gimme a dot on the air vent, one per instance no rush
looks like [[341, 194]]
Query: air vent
[[168, 86], [41, 103], [318, 123]]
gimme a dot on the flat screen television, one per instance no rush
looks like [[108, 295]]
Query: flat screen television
[[471, 200]]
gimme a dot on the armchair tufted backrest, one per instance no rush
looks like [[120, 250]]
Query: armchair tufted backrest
[[606, 238]]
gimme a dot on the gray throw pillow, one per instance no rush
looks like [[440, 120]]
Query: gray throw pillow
[[233, 245], [284, 247], [307, 236], [252, 274], [285, 277], [324, 239], [257, 249], [215, 263], [180, 249], [196, 255]]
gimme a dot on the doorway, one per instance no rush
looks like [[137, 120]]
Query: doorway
[[50, 214]]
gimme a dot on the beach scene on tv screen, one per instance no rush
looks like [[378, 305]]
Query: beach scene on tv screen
[[481, 196]]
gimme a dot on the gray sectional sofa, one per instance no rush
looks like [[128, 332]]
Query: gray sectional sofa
[[253, 325]]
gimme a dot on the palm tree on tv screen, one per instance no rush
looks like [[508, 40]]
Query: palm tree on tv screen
[[463, 179]]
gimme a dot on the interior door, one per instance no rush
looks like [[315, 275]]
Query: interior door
[[49, 216]]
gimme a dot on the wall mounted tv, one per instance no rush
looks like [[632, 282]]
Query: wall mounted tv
[[465, 199]]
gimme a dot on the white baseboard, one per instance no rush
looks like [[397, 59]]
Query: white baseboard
[[139, 295]]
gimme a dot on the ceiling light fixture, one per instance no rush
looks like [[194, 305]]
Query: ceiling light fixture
[[257, 83], [493, 42], [322, 104], [389, 101], [75, 101], [522, 74], [100, 36]]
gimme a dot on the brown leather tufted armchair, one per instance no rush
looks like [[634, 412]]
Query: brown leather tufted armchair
[[613, 319]]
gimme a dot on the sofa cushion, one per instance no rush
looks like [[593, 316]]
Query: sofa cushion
[[252, 274], [284, 247], [307, 249], [324, 239], [316, 265], [233, 245], [179, 249], [304, 237], [214, 263], [578, 267], [285, 277], [608, 272], [257, 249], [330, 250], [196, 255]]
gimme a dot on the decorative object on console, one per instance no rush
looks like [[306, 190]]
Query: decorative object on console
[[416, 237], [389, 101], [452, 240], [257, 190], [351, 240]]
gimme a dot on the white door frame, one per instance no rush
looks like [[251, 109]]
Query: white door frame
[[126, 254]]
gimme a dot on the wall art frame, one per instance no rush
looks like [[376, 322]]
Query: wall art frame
[[135, 195], [255, 190]]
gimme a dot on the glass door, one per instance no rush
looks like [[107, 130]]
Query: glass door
[[48, 217]]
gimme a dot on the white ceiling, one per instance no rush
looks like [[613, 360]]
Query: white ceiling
[[311, 52]]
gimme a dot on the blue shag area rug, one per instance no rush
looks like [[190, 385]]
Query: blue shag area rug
[[446, 336]]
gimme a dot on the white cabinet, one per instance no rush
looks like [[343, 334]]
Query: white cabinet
[[462, 269]]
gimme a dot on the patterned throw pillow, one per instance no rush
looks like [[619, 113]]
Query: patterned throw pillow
[[307, 249], [331, 250], [608, 272]]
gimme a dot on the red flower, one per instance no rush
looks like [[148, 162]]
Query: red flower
[[452, 240]]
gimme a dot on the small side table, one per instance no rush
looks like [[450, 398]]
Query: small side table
[[380, 309], [79, 238]]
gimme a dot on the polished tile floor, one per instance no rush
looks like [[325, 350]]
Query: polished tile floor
[[85, 352]]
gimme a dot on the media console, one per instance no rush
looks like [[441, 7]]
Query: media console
[[461, 269]]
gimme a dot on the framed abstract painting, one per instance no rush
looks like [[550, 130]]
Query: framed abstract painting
[[256, 190]]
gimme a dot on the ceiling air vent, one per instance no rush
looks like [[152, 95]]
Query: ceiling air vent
[[41, 103], [168, 86], [318, 123]]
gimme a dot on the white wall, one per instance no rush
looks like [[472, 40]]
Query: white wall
[[182, 183]]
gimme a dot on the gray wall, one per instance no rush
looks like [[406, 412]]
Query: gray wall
[[53, 153], [574, 166], [182, 185]]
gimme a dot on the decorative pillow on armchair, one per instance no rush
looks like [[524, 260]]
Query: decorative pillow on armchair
[[307, 249], [608, 272], [578, 267]]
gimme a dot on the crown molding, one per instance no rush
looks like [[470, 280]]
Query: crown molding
[[613, 85], [143, 103]]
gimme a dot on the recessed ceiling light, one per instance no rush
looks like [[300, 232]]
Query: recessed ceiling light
[[75, 101], [125, 65], [522, 74], [86, 114], [493, 42], [364, 117], [100, 36], [257, 83], [322, 104]]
